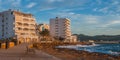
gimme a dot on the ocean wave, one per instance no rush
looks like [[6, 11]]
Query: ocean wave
[[112, 49], [87, 45], [68, 46]]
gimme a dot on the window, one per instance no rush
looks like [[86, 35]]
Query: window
[[56, 31], [14, 18], [19, 28], [56, 22], [11, 13], [6, 27], [2, 34], [2, 25], [6, 32], [2, 16], [6, 18], [22, 33], [56, 25], [2, 20], [56, 28]]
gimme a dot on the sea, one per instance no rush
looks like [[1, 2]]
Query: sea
[[112, 49]]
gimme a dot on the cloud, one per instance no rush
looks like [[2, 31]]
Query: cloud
[[85, 15], [31, 5], [90, 19], [99, 2], [45, 9], [110, 7], [115, 2], [16, 2], [111, 23], [104, 10], [86, 19], [7, 4], [52, 1], [89, 23]]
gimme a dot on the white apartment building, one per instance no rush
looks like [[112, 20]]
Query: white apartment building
[[17, 25], [60, 27]]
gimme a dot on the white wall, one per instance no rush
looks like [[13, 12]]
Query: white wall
[[61, 27]]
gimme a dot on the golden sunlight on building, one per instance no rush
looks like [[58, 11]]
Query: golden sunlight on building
[[18, 25]]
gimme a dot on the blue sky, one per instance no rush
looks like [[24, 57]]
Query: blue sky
[[90, 17]]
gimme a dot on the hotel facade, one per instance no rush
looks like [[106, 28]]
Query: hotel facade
[[18, 25], [60, 27]]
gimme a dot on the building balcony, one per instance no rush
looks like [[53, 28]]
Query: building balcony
[[17, 28], [30, 22], [18, 31], [67, 20], [32, 25], [25, 29], [18, 20], [33, 34], [32, 19], [67, 28], [29, 18], [32, 28], [67, 33], [25, 19], [25, 24], [66, 24], [18, 25]]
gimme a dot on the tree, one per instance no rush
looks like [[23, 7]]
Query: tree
[[45, 34]]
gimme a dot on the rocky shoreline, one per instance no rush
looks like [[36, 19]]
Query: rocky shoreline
[[71, 54]]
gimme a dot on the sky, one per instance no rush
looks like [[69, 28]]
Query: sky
[[90, 17]]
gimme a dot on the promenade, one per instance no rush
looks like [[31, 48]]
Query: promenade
[[18, 53]]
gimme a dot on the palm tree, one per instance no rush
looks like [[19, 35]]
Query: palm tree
[[45, 34]]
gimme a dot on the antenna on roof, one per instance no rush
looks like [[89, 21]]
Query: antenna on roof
[[56, 17], [9, 9]]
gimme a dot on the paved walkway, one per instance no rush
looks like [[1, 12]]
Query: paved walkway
[[18, 53]]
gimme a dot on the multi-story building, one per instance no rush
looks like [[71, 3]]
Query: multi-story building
[[60, 27], [42, 27], [17, 25]]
